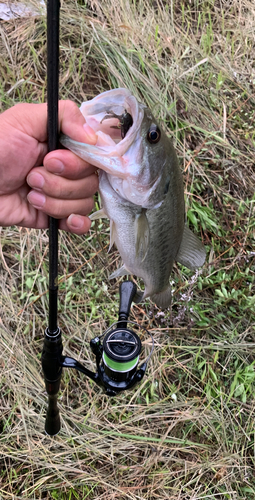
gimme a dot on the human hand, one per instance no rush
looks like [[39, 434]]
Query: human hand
[[62, 184]]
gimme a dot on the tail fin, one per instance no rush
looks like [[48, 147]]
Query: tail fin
[[138, 297], [163, 299]]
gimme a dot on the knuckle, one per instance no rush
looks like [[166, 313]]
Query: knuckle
[[90, 205], [55, 190], [93, 183], [55, 208], [69, 103], [69, 107]]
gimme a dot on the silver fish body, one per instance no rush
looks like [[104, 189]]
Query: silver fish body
[[141, 189], [154, 263]]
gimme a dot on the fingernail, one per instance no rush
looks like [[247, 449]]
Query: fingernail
[[91, 136], [35, 180], [55, 166], [75, 221], [36, 199]]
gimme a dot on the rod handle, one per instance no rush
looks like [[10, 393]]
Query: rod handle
[[52, 420], [52, 370]]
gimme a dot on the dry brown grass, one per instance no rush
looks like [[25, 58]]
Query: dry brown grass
[[187, 432]]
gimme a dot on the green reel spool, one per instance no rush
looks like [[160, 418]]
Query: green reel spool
[[121, 349]]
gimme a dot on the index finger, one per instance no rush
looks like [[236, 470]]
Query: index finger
[[65, 163]]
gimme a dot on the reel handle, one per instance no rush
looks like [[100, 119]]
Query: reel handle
[[127, 293]]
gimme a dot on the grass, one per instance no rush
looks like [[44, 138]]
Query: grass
[[187, 432]]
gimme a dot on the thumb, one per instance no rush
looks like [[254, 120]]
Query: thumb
[[73, 124], [32, 120]]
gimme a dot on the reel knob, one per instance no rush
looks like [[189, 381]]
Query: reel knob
[[127, 292]]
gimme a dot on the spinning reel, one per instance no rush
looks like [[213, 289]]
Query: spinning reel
[[117, 358]]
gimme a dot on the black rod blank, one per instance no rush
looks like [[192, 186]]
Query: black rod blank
[[53, 9], [52, 347]]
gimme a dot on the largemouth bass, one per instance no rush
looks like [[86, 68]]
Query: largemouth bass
[[141, 189]]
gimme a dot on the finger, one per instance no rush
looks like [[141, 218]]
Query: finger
[[67, 164], [59, 187], [76, 224], [59, 208], [73, 123]]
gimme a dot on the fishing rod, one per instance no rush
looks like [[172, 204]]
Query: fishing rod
[[52, 346], [118, 349]]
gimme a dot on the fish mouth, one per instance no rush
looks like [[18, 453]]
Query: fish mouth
[[119, 153], [110, 148], [104, 114]]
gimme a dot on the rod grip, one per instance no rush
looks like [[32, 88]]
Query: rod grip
[[52, 370], [52, 420]]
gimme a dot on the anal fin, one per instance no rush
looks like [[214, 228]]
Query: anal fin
[[122, 271], [191, 252]]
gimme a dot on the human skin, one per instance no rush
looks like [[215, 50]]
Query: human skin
[[34, 183]]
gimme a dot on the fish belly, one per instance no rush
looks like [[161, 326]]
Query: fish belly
[[166, 225]]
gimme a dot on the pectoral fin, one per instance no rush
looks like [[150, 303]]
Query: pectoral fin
[[191, 252], [142, 234], [100, 214], [112, 234]]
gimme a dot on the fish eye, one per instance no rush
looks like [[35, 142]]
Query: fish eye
[[153, 134]]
